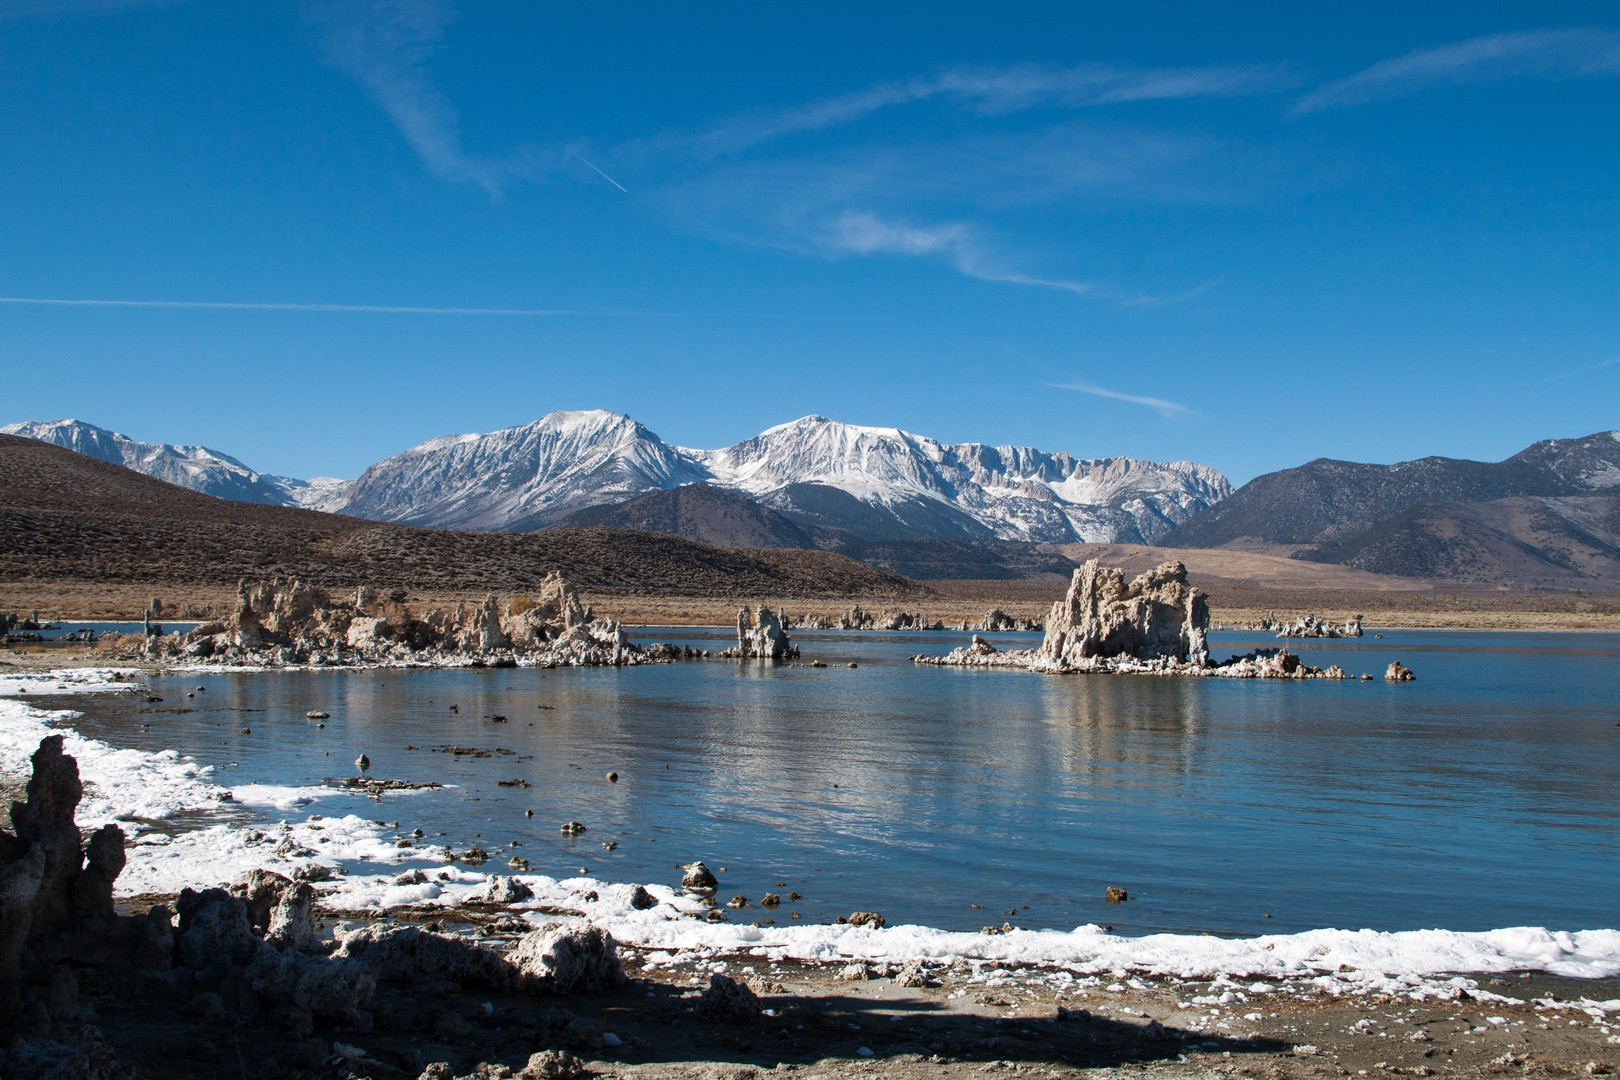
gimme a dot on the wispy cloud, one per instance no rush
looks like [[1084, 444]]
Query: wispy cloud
[[996, 91], [962, 200], [384, 45], [1569, 54], [957, 243], [1169, 409]]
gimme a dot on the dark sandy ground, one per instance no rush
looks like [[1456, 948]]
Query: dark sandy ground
[[822, 1025]]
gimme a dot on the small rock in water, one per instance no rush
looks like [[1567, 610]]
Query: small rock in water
[[853, 664], [770, 899], [609, 845], [528, 813], [866, 918], [573, 828], [362, 763], [1116, 895], [738, 901], [794, 896], [1398, 672], [613, 778], [317, 714], [247, 731], [698, 876]]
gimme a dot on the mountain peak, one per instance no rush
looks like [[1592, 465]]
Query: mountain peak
[[814, 470]]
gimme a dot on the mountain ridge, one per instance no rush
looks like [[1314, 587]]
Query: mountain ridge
[[1326, 502], [513, 479], [874, 482]]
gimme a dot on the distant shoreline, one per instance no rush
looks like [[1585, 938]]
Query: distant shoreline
[[949, 601]]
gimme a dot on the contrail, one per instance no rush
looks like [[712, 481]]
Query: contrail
[[230, 305], [392, 309], [602, 174]]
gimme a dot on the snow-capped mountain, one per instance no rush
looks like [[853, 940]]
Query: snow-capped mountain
[[194, 467], [520, 478], [868, 480], [966, 489], [871, 482]]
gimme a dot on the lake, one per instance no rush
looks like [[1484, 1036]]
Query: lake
[[1482, 795]]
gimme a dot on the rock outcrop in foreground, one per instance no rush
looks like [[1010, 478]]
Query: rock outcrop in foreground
[[241, 955], [286, 622], [1154, 624]]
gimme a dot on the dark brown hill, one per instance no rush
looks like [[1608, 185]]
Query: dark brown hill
[[699, 512], [1548, 543], [70, 518], [1327, 502]]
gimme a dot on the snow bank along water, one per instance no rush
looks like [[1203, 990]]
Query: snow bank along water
[[362, 868]]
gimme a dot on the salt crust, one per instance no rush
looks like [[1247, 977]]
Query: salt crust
[[142, 789]]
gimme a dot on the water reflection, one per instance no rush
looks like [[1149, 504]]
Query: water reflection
[[1481, 795]]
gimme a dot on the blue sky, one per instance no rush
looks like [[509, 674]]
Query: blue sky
[[1242, 236]]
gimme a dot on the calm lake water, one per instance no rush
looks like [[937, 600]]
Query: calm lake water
[[1483, 795]]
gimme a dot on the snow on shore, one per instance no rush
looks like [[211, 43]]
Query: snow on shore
[[142, 789]]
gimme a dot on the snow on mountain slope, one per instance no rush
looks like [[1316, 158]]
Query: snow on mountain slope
[[520, 478], [326, 493], [870, 480], [1010, 492], [194, 467]]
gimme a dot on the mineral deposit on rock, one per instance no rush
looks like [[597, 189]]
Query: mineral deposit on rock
[[760, 634], [283, 622], [1154, 624]]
